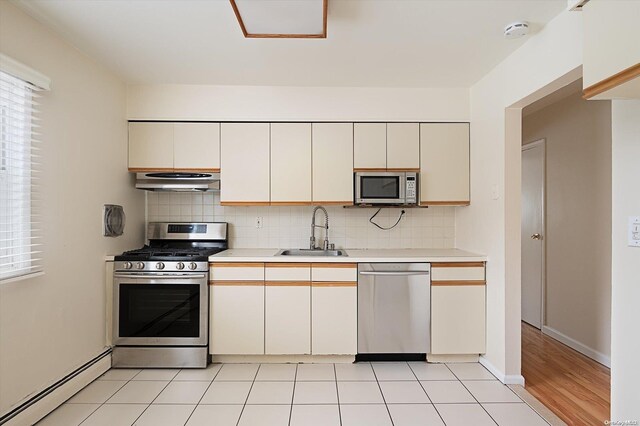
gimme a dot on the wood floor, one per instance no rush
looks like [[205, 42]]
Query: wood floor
[[574, 387]]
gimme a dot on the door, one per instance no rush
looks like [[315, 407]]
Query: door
[[444, 164], [332, 151], [403, 146], [287, 318], [369, 146], [196, 146], [533, 167], [290, 163], [244, 164]]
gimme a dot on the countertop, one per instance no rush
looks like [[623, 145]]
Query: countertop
[[353, 256]]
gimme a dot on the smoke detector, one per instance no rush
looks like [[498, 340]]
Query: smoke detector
[[516, 30]]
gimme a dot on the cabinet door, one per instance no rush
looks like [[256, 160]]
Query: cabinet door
[[290, 163], [369, 146], [196, 146], [457, 319], [332, 150], [244, 164], [403, 146], [287, 318], [334, 319], [237, 318], [150, 146], [444, 164]]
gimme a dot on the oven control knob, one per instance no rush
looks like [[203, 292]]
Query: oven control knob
[[140, 265], [180, 266], [127, 265], [192, 266], [159, 265]]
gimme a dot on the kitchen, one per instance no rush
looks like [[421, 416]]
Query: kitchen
[[286, 313]]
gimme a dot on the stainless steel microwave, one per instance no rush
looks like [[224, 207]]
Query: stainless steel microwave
[[386, 188]]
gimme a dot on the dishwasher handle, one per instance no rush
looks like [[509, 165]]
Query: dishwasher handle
[[396, 273]]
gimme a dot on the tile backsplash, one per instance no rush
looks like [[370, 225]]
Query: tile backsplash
[[290, 227]]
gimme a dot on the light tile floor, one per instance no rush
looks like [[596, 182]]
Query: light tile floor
[[363, 394]]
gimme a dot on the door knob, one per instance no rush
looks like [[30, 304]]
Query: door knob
[[536, 237]]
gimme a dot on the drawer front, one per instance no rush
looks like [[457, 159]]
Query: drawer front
[[338, 272], [236, 272], [471, 272], [287, 272]]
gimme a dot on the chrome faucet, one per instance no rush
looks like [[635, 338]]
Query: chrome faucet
[[312, 240]]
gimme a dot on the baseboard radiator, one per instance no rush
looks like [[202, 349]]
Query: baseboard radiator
[[21, 412]]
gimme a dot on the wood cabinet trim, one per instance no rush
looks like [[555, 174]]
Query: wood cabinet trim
[[287, 283], [457, 283], [236, 264], [244, 203], [287, 265], [370, 169], [334, 265], [161, 170], [387, 169], [334, 284], [613, 81], [237, 283], [444, 203], [332, 203], [457, 265], [291, 203]]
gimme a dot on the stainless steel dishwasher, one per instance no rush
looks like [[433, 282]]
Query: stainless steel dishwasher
[[394, 304]]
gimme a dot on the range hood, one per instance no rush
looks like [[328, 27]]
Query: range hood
[[178, 181]]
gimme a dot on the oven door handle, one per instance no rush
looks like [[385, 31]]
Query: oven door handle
[[161, 276]]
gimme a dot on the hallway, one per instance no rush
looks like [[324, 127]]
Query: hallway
[[574, 387]]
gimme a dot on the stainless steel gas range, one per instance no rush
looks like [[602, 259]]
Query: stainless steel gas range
[[161, 297]]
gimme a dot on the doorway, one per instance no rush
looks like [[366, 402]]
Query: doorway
[[532, 237]]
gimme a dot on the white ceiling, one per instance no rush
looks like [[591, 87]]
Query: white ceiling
[[375, 43]]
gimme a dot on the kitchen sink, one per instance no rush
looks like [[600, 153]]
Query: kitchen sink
[[310, 252]]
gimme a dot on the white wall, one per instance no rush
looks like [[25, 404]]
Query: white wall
[[52, 324], [578, 219], [547, 61], [287, 227], [247, 103], [625, 265]]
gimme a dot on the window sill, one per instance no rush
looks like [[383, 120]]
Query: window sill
[[21, 277]]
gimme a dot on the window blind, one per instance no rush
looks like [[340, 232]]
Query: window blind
[[20, 204]]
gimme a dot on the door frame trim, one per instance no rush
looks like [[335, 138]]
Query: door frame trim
[[543, 294]]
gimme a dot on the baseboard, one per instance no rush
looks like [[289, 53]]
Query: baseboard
[[507, 379], [38, 406], [574, 344], [451, 358]]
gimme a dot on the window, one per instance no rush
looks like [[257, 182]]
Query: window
[[20, 236]]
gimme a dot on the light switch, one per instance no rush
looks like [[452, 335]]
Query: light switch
[[634, 231], [495, 193]]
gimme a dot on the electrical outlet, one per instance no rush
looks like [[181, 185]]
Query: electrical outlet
[[258, 221], [634, 231]]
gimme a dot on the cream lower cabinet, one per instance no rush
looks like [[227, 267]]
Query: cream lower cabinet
[[237, 301], [287, 308], [458, 308], [334, 303], [332, 154], [444, 164]]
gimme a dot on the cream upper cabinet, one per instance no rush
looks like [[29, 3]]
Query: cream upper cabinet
[[369, 146], [244, 164], [403, 146], [444, 164], [196, 146], [290, 163], [150, 146], [332, 153], [611, 56]]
